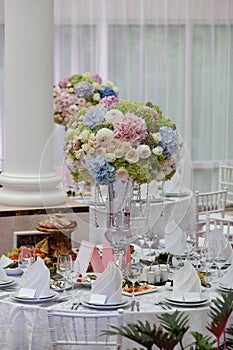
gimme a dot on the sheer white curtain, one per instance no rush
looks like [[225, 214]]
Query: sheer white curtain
[[175, 53]]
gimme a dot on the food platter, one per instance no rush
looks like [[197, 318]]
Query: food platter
[[144, 288]]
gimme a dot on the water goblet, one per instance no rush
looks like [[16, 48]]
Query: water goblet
[[190, 243], [64, 265], [150, 238], [133, 274]]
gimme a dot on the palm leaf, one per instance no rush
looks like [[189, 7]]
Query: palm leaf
[[203, 342], [220, 313], [175, 323], [146, 335], [139, 332]]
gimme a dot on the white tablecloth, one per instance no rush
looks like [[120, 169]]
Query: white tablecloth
[[24, 327]]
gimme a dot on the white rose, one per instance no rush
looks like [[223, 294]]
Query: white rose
[[132, 156], [57, 90], [118, 153], [143, 151], [156, 136], [158, 150], [72, 109], [100, 151], [110, 157], [126, 146], [122, 174], [105, 136]]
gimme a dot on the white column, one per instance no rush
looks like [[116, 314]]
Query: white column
[[28, 177]]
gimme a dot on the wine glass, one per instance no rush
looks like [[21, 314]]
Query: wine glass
[[220, 259], [150, 238], [132, 274], [190, 243], [64, 265], [26, 256]]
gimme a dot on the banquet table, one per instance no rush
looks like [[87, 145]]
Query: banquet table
[[176, 207], [25, 326]]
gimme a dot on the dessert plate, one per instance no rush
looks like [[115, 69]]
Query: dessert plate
[[13, 271]]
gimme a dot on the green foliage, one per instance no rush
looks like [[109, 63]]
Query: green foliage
[[220, 313], [203, 342], [173, 327]]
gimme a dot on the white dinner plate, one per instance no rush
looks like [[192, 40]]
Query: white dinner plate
[[191, 299], [105, 306], [224, 287], [7, 283], [34, 300], [112, 304], [183, 304]]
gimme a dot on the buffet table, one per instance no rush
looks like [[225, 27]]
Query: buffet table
[[25, 326]]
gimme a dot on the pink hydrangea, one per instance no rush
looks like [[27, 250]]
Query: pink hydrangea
[[63, 83], [131, 128], [97, 78], [109, 101]]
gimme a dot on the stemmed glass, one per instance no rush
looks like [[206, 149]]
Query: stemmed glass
[[190, 242], [220, 259], [64, 266], [132, 274], [150, 238], [26, 256]]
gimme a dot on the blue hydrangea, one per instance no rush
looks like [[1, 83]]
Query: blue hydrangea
[[84, 89], [169, 141], [94, 117], [101, 171], [107, 92]]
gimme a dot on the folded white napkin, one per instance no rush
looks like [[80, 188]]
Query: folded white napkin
[[3, 276], [109, 283], [217, 239], [227, 279], [5, 261], [175, 239], [37, 277], [174, 185], [186, 280]]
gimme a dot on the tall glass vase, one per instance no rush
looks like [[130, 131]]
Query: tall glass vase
[[119, 233]]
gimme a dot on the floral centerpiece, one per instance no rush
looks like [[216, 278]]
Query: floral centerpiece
[[118, 144], [117, 140], [79, 91]]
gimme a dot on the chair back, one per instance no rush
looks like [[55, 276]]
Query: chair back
[[226, 180], [209, 203], [73, 328], [224, 224]]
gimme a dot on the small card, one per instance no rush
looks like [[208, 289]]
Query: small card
[[27, 293], [98, 299]]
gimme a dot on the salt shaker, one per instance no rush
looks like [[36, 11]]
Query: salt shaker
[[164, 273], [151, 277], [158, 275]]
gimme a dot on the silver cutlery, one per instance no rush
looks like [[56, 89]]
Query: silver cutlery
[[75, 306], [132, 305]]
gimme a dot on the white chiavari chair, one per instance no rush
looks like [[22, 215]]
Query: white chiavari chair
[[212, 203], [84, 329], [226, 180]]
